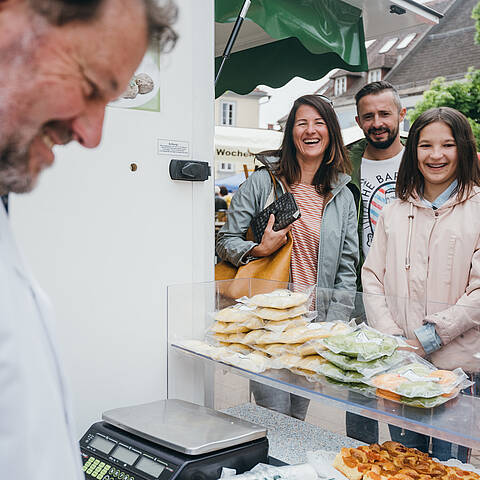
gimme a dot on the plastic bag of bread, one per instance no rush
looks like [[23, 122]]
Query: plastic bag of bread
[[279, 299], [367, 369], [293, 335], [278, 349], [228, 337], [287, 360], [364, 343], [313, 363], [282, 325], [235, 313], [238, 327], [312, 347], [281, 314], [256, 362], [223, 327], [237, 347], [419, 378], [197, 346]]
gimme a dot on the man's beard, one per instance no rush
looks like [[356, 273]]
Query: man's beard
[[14, 169], [386, 143]]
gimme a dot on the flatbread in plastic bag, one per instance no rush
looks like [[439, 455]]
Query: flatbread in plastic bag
[[238, 327], [278, 314], [282, 325], [312, 363], [278, 349], [237, 347], [235, 313], [223, 327], [230, 337], [278, 299], [312, 347]]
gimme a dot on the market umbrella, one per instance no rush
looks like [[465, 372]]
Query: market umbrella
[[281, 39], [232, 182]]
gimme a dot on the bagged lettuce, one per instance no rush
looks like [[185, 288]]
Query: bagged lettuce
[[364, 344], [367, 369], [362, 388], [331, 371]]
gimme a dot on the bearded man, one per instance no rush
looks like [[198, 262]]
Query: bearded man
[[61, 62]]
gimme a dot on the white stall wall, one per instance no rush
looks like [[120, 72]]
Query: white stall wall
[[104, 242]]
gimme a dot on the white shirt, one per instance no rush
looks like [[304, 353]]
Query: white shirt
[[37, 438], [378, 180]]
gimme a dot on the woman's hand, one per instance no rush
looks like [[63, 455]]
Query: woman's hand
[[416, 347], [271, 240]]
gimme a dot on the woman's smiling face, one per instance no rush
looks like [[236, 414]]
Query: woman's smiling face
[[310, 134], [437, 156]]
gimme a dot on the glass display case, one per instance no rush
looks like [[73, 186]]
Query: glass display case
[[192, 372]]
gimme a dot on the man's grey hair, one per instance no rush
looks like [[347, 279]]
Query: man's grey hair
[[160, 16], [374, 88]]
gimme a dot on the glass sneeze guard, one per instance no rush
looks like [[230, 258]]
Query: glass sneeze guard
[[191, 374]]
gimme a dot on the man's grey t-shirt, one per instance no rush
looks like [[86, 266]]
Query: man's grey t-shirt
[[378, 179]]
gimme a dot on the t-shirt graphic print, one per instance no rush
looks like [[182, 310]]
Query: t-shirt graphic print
[[378, 180]]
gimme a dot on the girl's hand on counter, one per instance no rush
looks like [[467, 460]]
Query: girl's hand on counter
[[271, 240], [416, 347]]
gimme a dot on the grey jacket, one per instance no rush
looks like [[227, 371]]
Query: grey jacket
[[338, 248]]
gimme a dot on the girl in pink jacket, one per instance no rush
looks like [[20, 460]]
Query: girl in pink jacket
[[425, 255]]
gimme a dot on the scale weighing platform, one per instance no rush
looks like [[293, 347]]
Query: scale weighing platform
[[170, 440]]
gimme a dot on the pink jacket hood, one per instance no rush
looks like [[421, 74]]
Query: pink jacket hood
[[425, 265]]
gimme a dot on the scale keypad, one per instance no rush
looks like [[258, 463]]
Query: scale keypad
[[95, 468]]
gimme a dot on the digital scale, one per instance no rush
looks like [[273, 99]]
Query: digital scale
[[170, 439]]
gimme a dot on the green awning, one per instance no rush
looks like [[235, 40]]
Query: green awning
[[307, 38]]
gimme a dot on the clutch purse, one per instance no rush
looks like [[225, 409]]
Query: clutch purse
[[286, 211]]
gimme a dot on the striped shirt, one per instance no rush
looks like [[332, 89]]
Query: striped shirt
[[306, 234]]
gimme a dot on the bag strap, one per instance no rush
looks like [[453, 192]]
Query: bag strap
[[274, 181]]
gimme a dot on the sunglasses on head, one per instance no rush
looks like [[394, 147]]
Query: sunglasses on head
[[323, 97]]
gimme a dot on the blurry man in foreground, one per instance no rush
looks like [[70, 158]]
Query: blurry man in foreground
[[61, 62]]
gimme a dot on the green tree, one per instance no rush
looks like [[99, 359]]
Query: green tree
[[464, 96], [476, 17]]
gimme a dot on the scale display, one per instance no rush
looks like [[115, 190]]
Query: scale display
[[102, 444], [149, 466], [110, 455]]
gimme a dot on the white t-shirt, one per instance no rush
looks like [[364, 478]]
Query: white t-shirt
[[378, 179]]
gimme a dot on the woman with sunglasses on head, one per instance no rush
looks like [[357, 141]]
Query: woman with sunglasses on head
[[312, 163], [426, 248]]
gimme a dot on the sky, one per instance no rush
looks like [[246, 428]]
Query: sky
[[282, 98]]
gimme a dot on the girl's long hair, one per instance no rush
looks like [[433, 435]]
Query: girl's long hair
[[410, 180]]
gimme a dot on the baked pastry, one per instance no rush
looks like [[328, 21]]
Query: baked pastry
[[393, 461]]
